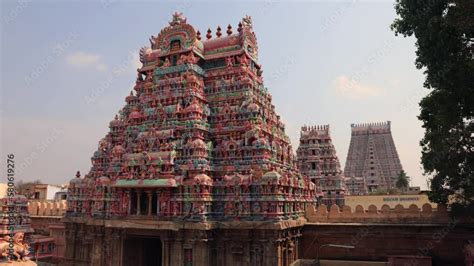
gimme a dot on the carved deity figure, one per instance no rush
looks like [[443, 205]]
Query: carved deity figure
[[181, 59], [229, 208], [178, 18], [167, 63], [125, 202], [229, 61], [191, 59], [247, 21], [243, 60]]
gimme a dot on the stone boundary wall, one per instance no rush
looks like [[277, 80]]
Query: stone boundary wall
[[47, 207], [398, 215]]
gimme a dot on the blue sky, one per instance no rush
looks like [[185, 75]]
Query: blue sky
[[67, 66]]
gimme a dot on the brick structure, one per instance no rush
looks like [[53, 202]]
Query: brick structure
[[373, 157], [317, 159], [197, 168]]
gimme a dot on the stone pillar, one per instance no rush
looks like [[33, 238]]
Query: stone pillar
[[221, 251], [115, 256], [139, 195], [296, 249], [272, 254], [107, 248], [201, 247], [149, 202], [129, 205], [86, 246], [112, 255], [176, 257], [80, 243], [157, 203], [247, 256], [97, 247], [279, 254], [166, 251], [70, 242]]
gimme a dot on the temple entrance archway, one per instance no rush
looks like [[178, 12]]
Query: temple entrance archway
[[142, 251]]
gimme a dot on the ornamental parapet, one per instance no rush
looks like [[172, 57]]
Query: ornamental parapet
[[47, 207], [385, 215]]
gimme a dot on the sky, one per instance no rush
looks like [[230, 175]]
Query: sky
[[66, 67]]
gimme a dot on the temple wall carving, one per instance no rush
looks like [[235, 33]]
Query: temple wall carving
[[232, 246]]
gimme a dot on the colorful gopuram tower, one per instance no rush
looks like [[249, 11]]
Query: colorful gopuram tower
[[317, 159], [197, 168], [372, 156]]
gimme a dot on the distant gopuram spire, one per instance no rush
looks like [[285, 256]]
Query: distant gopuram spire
[[317, 159], [372, 156]]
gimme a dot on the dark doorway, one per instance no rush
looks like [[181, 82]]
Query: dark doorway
[[142, 251], [133, 200], [154, 203], [143, 204]]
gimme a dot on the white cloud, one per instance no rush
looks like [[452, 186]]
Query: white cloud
[[352, 88], [395, 83], [135, 61], [83, 59]]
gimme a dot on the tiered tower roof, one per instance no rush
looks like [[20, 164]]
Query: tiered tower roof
[[318, 160], [372, 155], [198, 138]]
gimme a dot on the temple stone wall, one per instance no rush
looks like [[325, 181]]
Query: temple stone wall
[[385, 215], [378, 234], [381, 234], [89, 243], [443, 243]]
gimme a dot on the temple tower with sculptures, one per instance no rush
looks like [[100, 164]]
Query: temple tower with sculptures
[[317, 159], [372, 159], [196, 168]]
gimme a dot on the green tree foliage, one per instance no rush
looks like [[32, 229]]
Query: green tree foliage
[[444, 32], [403, 181]]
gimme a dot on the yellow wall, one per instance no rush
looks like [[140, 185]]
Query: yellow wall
[[3, 190], [42, 191], [390, 200]]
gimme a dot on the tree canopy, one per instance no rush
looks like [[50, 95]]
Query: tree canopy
[[403, 181], [444, 32], [26, 188]]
